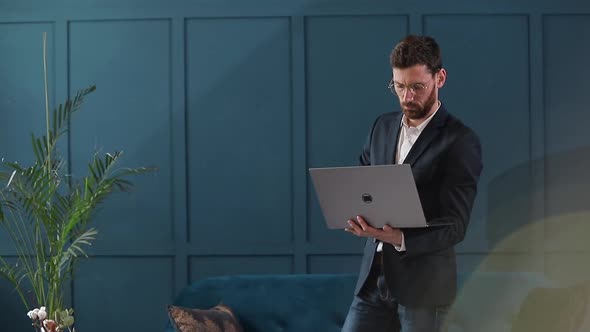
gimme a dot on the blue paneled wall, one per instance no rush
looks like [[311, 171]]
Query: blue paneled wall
[[233, 102]]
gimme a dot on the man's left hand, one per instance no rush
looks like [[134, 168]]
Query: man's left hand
[[362, 229]]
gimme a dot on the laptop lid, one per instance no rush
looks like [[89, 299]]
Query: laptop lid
[[383, 194]]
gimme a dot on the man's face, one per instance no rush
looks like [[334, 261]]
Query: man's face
[[417, 90]]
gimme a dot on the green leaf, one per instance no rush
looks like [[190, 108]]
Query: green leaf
[[67, 321], [37, 149]]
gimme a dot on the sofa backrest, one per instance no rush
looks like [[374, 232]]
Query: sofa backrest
[[268, 303]]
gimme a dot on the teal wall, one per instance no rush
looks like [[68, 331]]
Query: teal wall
[[233, 101]]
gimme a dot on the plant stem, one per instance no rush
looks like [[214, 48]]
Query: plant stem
[[46, 99]]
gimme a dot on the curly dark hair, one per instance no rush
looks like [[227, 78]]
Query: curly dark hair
[[416, 50]]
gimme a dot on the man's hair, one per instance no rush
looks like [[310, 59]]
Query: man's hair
[[416, 50]]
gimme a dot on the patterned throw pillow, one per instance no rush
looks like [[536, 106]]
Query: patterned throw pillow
[[217, 319]]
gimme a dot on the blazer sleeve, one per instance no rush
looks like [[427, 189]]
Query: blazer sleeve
[[462, 168]]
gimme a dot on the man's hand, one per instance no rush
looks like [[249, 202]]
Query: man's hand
[[388, 234]]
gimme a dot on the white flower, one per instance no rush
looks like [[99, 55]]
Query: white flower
[[42, 314], [32, 315]]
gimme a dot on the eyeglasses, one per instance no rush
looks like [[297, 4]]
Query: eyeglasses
[[400, 89]]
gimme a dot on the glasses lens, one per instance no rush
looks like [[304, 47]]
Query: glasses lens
[[396, 90]]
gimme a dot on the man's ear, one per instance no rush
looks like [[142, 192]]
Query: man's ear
[[441, 78]]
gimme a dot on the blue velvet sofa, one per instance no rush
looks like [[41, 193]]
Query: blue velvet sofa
[[487, 301], [267, 303]]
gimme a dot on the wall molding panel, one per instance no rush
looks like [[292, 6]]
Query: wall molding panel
[[233, 102]]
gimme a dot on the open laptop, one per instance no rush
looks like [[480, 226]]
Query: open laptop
[[384, 194]]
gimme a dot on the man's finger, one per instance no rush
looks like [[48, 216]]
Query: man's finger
[[350, 230], [362, 223], [353, 229], [354, 226]]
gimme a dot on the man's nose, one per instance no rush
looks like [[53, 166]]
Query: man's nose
[[407, 95]]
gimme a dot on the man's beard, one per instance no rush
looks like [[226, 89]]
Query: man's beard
[[413, 111]]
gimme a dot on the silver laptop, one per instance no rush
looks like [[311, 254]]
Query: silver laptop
[[381, 194]]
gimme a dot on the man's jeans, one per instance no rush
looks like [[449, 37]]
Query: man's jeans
[[375, 310]]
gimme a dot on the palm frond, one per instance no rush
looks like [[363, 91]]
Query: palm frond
[[75, 248], [11, 274], [44, 146]]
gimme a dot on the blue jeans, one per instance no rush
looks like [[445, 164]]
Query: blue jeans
[[375, 310]]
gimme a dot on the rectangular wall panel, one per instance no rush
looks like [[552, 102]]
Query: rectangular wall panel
[[568, 268], [487, 61], [22, 101], [500, 262], [108, 291], [21, 88], [11, 303], [201, 267], [347, 72], [567, 143], [239, 130], [129, 61], [497, 291], [333, 263]]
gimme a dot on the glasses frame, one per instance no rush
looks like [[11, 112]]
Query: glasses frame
[[415, 88]]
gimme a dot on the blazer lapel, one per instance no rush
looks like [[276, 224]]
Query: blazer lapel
[[429, 133], [391, 140]]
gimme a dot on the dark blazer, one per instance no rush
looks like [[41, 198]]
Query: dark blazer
[[446, 163]]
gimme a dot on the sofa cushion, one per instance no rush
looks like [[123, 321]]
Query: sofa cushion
[[217, 319]]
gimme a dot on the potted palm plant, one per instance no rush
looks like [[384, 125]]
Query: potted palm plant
[[47, 215]]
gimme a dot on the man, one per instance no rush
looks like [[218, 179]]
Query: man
[[407, 279]]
